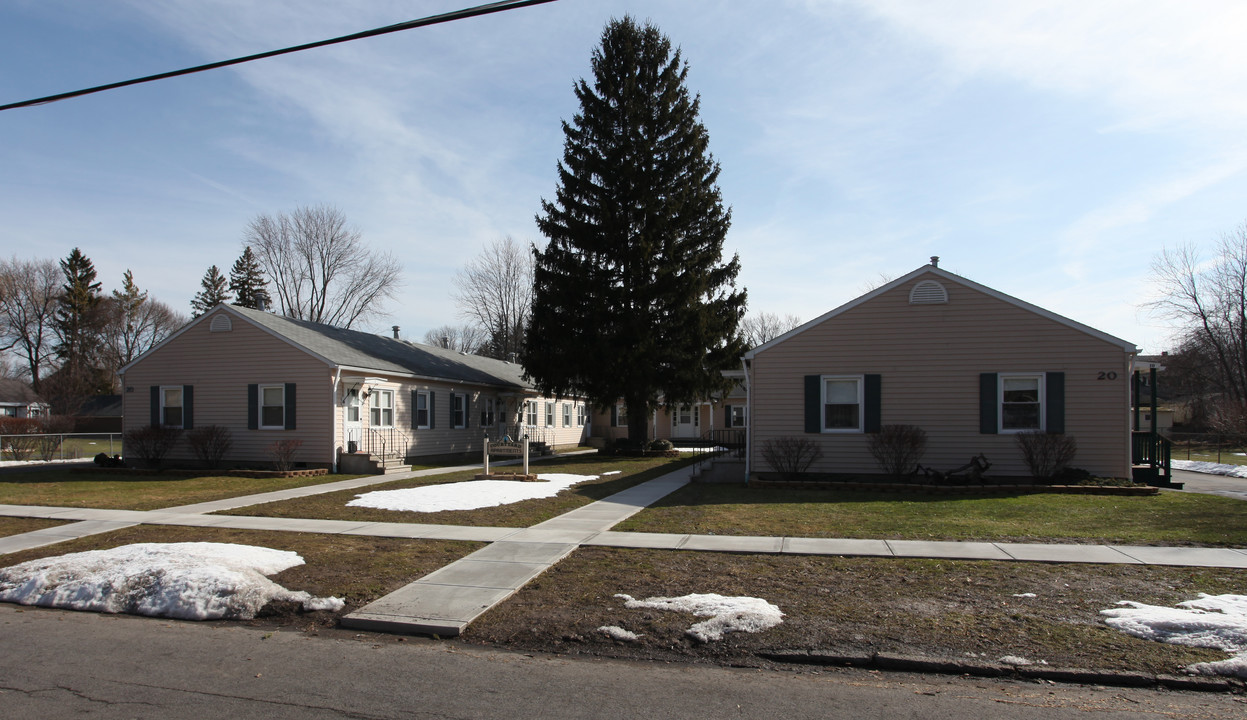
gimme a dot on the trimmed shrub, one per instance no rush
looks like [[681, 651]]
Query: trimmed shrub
[[210, 443], [1046, 454], [150, 443], [661, 445], [283, 453], [19, 437], [791, 456], [898, 448]]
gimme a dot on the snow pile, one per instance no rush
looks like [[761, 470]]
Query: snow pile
[[612, 472], [1019, 661], [189, 581], [1025, 595], [1211, 621], [727, 614], [468, 495], [1211, 468], [615, 632], [687, 449]]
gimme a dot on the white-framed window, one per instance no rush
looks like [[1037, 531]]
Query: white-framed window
[[549, 414], [381, 408], [737, 417], [621, 415], [487, 412], [171, 406], [842, 403], [686, 415], [567, 414], [1021, 402], [9, 411], [458, 410], [530, 409], [272, 407], [352, 405], [582, 414], [421, 410]]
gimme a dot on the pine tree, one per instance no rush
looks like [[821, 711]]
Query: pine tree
[[247, 282], [632, 298], [79, 326], [215, 291]]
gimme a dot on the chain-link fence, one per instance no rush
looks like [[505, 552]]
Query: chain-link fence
[[54, 447], [1208, 447]]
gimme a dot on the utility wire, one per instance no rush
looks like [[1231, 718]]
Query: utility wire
[[422, 22]]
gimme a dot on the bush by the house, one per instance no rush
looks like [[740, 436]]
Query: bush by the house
[[149, 444], [210, 443], [1046, 454], [53, 428], [898, 448], [791, 456], [661, 445], [283, 453], [20, 437]]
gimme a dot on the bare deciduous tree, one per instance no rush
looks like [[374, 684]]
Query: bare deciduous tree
[[495, 291], [466, 338], [136, 323], [760, 328], [29, 292], [320, 267], [1208, 301]]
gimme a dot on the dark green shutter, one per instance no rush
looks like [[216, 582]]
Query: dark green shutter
[[432, 413], [873, 396], [814, 403], [1054, 389], [467, 410], [253, 406], [290, 406], [155, 417], [188, 407], [989, 423], [415, 412], [614, 416]]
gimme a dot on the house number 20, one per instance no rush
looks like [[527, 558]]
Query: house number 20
[[1110, 375]]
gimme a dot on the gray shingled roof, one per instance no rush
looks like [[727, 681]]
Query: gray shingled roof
[[376, 352], [16, 391]]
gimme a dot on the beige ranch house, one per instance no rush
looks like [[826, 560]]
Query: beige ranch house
[[970, 365], [708, 421], [348, 397]]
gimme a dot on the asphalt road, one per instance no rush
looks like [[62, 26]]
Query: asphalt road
[[61, 664], [1212, 484]]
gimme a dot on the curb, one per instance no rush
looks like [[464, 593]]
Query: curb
[[951, 666]]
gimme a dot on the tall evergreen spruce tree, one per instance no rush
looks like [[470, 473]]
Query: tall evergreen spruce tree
[[79, 326], [247, 282], [631, 297], [215, 291]]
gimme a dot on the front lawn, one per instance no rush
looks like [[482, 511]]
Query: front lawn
[[17, 526], [942, 608], [734, 509], [632, 471], [64, 488]]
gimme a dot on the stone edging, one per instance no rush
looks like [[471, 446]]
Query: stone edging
[[977, 668]]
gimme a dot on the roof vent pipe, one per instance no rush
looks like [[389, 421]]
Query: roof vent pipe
[[395, 329], [446, 342], [935, 261]]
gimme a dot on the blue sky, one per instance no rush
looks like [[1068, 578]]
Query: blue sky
[[1048, 150]]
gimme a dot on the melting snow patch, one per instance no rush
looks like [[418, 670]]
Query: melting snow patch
[[617, 633], [468, 495], [1025, 595], [1211, 621], [1015, 660], [1211, 468], [189, 581], [612, 472], [727, 614]]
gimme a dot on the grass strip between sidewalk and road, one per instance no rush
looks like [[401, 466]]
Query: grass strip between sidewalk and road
[[17, 526], [1169, 518], [332, 506]]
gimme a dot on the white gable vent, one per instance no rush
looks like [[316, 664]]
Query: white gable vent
[[221, 323], [928, 292]]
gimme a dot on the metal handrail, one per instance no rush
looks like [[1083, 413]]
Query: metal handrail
[[384, 442]]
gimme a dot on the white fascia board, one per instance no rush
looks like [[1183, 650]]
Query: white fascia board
[[1126, 346]]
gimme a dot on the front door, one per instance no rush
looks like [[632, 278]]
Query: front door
[[685, 423], [350, 421]]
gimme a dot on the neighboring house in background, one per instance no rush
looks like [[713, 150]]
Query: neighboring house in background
[[684, 424], [99, 414], [18, 400], [966, 363], [269, 378]]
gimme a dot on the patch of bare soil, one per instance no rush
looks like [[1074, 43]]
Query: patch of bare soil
[[936, 608]]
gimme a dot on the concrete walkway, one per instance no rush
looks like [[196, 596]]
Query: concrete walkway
[[447, 600]]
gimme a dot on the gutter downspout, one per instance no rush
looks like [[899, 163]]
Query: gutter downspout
[[744, 364], [333, 404]]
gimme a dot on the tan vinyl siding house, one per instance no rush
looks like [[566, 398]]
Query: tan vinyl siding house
[[969, 365], [268, 378], [684, 423]]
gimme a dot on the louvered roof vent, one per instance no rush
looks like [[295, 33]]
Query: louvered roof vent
[[221, 323], [928, 292]]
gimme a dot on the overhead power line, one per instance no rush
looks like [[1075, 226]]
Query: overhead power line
[[422, 22]]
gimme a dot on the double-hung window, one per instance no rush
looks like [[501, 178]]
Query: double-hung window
[[171, 406], [381, 407], [567, 414], [842, 403], [487, 412], [621, 415], [736, 417], [272, 407], [458, 410], [549, 414], [530, 408], [582, 414], [421, 410], [1021, 402]]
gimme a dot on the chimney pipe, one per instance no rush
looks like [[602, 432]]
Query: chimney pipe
[[446, 342], [395, 329], [935, 261]]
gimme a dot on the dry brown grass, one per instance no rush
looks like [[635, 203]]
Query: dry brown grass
[[16, 526]]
